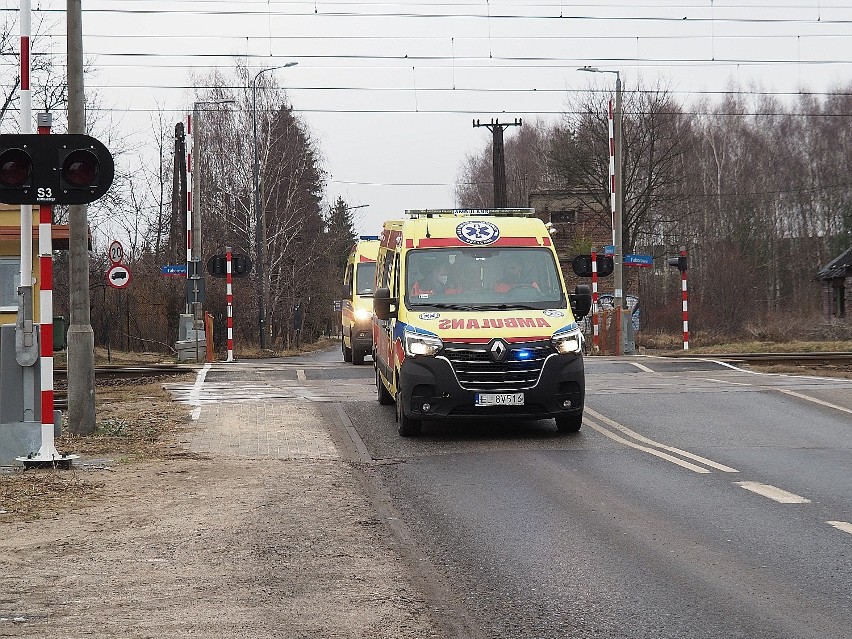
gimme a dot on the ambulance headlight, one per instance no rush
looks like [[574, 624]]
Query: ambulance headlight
[[422, 345], [362, 315], [568, 343]]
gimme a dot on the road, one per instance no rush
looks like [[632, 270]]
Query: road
[[698, 501]]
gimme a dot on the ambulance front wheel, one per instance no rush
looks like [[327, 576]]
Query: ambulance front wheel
[[357, 356], [347, 352], [406, 426], [569, 423]]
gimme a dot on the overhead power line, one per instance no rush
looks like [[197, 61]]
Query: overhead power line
[[435, 15]]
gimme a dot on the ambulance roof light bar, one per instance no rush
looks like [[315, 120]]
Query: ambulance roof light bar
[[368, 237], [418, 213]]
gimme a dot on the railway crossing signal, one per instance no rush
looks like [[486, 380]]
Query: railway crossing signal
[[217, 265], [53, 169], [582, 265], [678, 262]]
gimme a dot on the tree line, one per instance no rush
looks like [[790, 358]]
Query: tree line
[[757, 188]]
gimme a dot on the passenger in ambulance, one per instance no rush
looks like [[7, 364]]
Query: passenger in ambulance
[[435, 282], [514, 276]]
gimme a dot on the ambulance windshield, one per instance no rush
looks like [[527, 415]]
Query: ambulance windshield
[[365, 278], [479, 278]]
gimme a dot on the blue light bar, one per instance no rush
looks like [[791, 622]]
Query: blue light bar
[[523, 355], [368, 237]]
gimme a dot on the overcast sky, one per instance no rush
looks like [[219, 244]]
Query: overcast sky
[[390, 89]]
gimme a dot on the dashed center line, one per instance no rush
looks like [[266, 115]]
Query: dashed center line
[[773, 493], [641, 367], [845, 526]]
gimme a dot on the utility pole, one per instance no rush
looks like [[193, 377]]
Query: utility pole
[[81, 337], [498, 159]]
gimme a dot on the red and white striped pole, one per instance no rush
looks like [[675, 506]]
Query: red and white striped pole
[[612, 171], [230, 298], [596, 340], [189, 264], [26, 126], [685, 298], [45, 310]]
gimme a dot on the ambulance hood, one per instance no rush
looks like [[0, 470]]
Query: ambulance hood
[[512, 325]]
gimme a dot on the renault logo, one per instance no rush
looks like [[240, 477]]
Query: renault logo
[[498, 350]]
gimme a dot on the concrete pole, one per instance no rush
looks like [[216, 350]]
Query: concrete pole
[[81, 337], [618, 258]]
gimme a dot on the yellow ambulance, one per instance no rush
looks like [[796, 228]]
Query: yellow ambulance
[[471, 319], [356, 308]]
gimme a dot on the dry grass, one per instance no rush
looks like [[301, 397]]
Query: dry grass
[[135, 421]]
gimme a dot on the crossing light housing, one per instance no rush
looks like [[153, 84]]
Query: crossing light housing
[[582, 265], [678, 262], [53, 169]]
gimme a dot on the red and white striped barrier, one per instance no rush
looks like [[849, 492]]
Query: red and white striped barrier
[[596, 341], [230, 299], [189, 198], [612, 171], [684, 297]]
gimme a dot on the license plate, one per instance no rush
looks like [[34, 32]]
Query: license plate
[[499, 399]]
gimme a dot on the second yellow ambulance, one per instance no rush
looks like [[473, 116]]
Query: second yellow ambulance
[[356, 309], [471, 319]]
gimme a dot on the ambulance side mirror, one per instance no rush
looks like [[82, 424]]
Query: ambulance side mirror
[[344, 292], [581, 301], [382, 303]]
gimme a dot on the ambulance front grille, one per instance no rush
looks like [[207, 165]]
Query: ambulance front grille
[[475, 369]]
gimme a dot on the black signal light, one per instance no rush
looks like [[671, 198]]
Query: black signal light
[[53, 169], [80, 169], [16, 168]]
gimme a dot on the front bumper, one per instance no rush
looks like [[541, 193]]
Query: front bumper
[[361, 338], [432, 381]]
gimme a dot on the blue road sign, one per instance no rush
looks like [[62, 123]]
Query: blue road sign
[[609, 249], [639, 260], [174, 269]]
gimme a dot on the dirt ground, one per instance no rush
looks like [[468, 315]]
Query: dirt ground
[[159, 542]]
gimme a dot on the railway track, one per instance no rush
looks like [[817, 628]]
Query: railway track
[[112, 372], [768, 359]]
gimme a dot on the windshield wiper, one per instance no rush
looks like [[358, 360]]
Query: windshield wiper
[[455, 307]]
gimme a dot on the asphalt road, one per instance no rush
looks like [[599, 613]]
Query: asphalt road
[[698, 501]]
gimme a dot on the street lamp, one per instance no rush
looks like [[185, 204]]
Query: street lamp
[[260, 220], [618, 258]]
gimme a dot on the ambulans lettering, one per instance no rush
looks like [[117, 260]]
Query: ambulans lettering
[[492, 323]]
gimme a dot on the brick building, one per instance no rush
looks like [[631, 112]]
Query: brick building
[[580, 223]]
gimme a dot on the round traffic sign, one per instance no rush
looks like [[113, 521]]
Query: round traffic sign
[[116, 252], [118, 276]]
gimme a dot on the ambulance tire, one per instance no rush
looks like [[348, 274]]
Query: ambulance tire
[[569, 423], [357, 357], [347, 352], [406, 426], [385, 398]]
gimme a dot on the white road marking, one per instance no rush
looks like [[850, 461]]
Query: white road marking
[[773, 493], [815, 400], [300, 375], [651, 442], [841, 525], [724, 381], [641, 367], [644, 449], [195, 393]]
